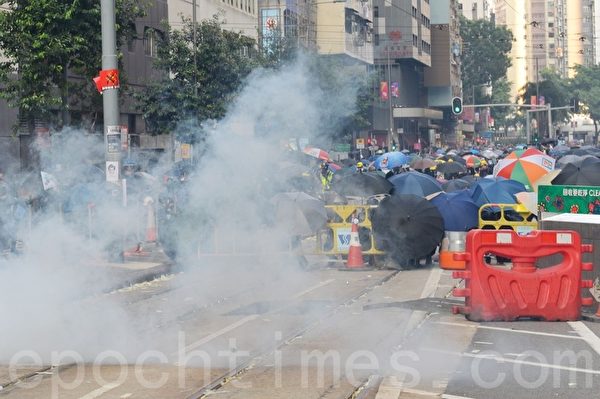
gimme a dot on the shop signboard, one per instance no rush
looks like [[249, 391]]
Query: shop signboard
[[569, 199]]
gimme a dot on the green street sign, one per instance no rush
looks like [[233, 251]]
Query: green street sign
[[339, 147], [569, 199]]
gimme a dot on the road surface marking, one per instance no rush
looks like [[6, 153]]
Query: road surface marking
[[446, 396], [586, 334], [100, 391], [216, 334], [420, 392], [449, 323], [432, 283], [510, 330], [483, 343], [391, 386], [500, 359], [306, 291]]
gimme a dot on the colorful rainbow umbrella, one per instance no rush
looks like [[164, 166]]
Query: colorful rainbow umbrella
[[317, 153], [472, 161], [525, 166]]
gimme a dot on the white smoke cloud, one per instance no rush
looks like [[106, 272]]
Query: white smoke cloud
[[47, 295]]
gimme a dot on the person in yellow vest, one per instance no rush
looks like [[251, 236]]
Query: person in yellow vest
[[326, 176]]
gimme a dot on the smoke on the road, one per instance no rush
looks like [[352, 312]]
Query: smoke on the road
[[229, 209]]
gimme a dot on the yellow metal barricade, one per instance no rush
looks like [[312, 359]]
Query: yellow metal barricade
[[334, 238], [507, 216]]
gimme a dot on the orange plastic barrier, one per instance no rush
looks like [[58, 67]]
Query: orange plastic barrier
[[523, 291]]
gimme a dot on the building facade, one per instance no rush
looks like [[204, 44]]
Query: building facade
[[443, 76], [236, 15], [512, 15], [403, 49], [345, 28], [476, 9]]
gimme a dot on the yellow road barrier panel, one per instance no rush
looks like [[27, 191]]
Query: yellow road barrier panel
[[334, 238], [507, 216]]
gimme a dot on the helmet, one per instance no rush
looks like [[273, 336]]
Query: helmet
[[359, 165]]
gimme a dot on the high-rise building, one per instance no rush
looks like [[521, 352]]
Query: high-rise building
[[238, 15], [443, 77], [345, 28], [403, 49], [476, 9], [540, 38], [512, 14]]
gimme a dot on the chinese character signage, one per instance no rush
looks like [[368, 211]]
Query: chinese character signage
[[569, 199]]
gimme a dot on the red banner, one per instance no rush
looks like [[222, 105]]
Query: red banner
[[107, 79], [383, 91]]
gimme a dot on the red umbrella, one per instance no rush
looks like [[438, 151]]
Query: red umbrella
[[317, 153]]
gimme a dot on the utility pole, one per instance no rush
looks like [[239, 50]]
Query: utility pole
[[537, 81], [110, 96], [195, 43], [389, 68]]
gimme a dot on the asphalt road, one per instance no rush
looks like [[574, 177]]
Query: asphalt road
[[256, 330]]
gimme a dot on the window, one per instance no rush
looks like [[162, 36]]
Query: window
[[414, 12], [376, 40], [131, 38], [150, 42], [375, 12], [415, 40]]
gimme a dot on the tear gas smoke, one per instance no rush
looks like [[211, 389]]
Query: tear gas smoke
[[47, 294]]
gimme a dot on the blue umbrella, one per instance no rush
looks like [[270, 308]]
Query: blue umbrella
[[414, 183], [489, 191], [459, 211], [393, 159]]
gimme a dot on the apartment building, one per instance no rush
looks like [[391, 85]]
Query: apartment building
[[513, 15], [236, 15], [476, 9], [403, 49], [442, 78]]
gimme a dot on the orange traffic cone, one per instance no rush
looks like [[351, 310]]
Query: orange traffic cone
[[151, 235], [355, 258]]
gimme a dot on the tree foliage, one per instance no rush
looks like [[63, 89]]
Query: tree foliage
[[586, 87], [195, 92], [43, 39], [485, 53]]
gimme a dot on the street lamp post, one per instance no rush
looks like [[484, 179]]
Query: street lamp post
[[110, 97], [391, 120], [194, 40]]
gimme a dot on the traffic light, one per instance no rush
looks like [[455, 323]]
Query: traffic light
[[575, 105], [457, 106]]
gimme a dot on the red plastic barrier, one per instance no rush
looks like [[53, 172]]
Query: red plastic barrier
[[493, 293]]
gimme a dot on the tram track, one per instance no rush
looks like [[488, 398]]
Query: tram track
[[223, 379]]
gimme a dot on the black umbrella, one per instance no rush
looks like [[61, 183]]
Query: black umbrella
[[454, 158], [580, 151], [455, 185], [451, 167], [415, 183], [362, 185], [408, 227], [570, 158], [300, 212], [585, 172]]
